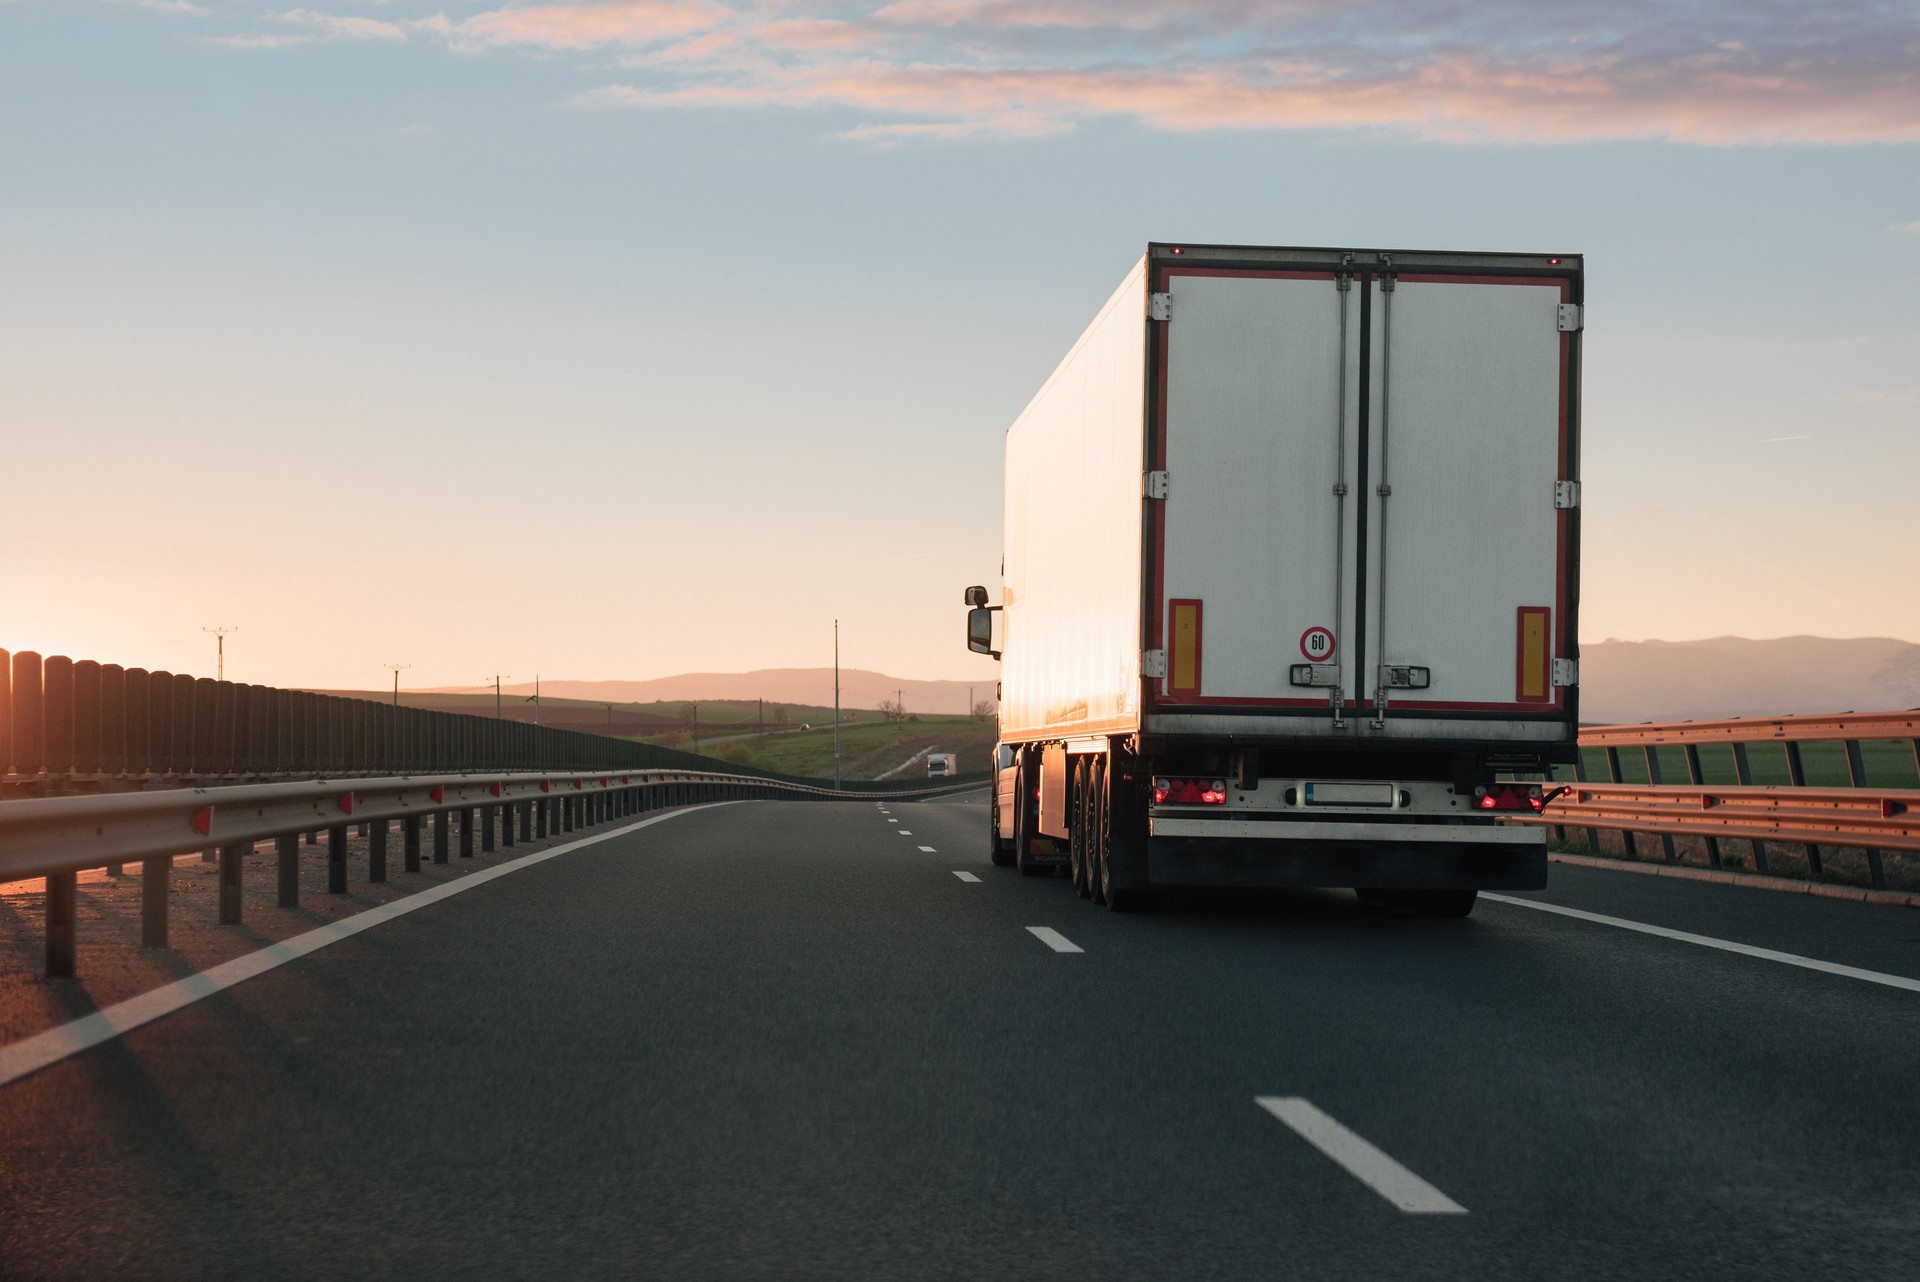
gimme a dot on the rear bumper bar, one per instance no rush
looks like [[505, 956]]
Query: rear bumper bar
[[1400, 856]]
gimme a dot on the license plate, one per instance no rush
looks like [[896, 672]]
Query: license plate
[[1350, 794]]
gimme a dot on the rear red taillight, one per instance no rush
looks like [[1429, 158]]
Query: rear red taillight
[[1509, 796], [1190, 792]]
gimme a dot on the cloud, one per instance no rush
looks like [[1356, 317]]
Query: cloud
[[1906, 229], [1737, 72], [165, 6]]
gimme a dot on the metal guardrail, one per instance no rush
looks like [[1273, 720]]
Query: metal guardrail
[[57, 837], [1858, 816]]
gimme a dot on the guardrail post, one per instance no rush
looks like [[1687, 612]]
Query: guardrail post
[[154, 876], [286, 848], [1695, 778], [540, 817], [566, 814], [1653, 777], [1857, 776], [486, 829], [410, 842], [377, 849], [1743, 775], [525, 820], [506, 824], [231, 854], [1797, 776], [442, 833], [337, 859], [466, 832], [61, 896]]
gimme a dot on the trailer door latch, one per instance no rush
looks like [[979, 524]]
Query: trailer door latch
[[1156, 485], [1567, 318], [1566, 494], [1566, 672], [1159, 306], [1153, 663]]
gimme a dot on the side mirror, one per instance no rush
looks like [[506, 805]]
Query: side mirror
[[976, 596], [980, 631]]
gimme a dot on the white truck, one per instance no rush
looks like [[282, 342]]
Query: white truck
[[1290, 580]]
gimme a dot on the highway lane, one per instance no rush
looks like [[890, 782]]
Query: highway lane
[[782, 1040]]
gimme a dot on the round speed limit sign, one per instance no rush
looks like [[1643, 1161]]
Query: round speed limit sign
[[1317, 644]]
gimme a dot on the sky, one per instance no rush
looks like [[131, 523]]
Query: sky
[[615, 340]]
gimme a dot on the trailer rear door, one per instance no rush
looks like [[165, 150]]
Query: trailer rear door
[[1466, 561]]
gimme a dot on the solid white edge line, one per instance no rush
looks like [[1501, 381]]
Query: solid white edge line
[[1361, 1160], [964, 875], [1708, 941], [1054, 939], [31, 1054]]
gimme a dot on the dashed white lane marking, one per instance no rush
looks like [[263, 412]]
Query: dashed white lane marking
[[930, 850], [965, 876], [893, 821], [1054, 939], [1362, 1160], [31, 1054], [1708, 941], [903, 832]]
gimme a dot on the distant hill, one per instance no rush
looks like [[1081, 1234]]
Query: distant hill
[[812, 687], [1620, 681], [1738, 677]]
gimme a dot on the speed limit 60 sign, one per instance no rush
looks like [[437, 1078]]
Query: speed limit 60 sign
[[1317, 644]]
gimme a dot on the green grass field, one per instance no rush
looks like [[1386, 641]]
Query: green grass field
[[867, 748]]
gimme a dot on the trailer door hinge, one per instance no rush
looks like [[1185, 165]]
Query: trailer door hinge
[[1153, 663], [1567, 318], [1156, 485], [1566, 672], [1566, 494], [1159, 306]]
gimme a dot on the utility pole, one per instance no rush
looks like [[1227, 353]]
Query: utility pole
[[220, 651], [696, 725], [609, 717], [534, 698], [969, 703], [760, 717], [496, 692], [836, 705], [398, 668]]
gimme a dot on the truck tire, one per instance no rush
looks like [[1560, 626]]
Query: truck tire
[[1099, 829], [1079, 848], [999, 849], [1123, 872]]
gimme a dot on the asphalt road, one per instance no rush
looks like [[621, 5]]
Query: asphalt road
[[780, 1040]]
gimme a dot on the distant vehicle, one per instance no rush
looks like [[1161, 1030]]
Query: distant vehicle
[[1290, 578], [942, 765]]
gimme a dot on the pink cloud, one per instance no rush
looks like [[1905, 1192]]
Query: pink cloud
[[589, 26]]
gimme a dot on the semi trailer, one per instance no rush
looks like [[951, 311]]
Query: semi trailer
[[1290, 581]]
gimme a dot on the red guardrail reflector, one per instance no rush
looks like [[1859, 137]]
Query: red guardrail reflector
[[495, 789], [202, 820], [606, 783], [346, 803], [438, 794], [545, 786], [1706, 802], [577, 785], [1889, 807], [626, 778]]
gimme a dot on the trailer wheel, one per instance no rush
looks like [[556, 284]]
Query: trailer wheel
[[1448, 903], [999, 849], [1079, 849], [1123, 869], [1099, 829]]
